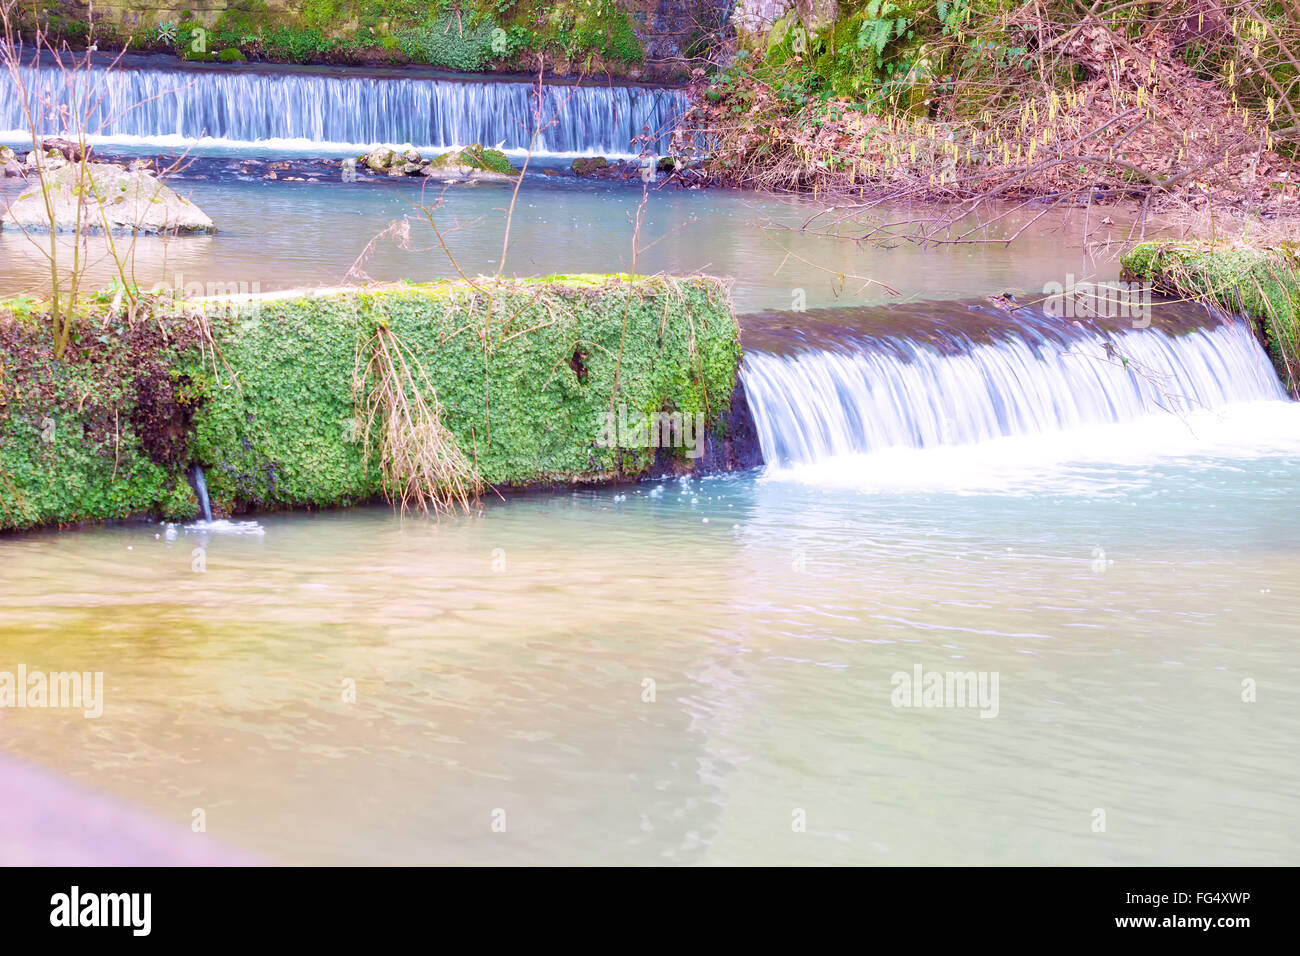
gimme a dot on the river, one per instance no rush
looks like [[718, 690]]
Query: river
[[708, 671]]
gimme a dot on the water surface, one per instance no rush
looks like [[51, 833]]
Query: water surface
[[501, 663]]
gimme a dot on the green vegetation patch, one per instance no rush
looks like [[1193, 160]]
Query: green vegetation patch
[[99, 434], [524, 371], [522, 375], [476, 157], [1261, 283]]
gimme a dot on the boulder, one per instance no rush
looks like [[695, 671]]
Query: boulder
[[586, 166], [123, 199], [378, 159], [472, 164]]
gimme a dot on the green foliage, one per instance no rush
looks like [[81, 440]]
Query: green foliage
[[880, 25], [524, 407], [579, 29], [455, 34], [322, 14], [477, 157], [525, 372], [231, 55], [244, 18], [457, 44], [1261, 283], [295, 46], [86, 438]]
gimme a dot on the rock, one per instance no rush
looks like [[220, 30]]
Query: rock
[[69, 150], [9, 164], [472, 164], [589, 165], [130, 200], [349, 170], [44, 159], [378, 159]]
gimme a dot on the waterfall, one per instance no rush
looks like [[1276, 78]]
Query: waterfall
[[942, 385], [243, 107], [200, 483]]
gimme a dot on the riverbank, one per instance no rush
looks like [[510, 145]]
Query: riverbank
[[427, 395], [1261, 283], [868, 101]]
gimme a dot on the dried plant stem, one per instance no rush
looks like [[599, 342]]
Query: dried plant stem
[[421, 464]]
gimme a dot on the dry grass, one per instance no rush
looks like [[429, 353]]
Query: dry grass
[[421, 464]]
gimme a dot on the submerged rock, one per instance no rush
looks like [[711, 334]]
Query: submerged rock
[[586, 166], [107, 197]]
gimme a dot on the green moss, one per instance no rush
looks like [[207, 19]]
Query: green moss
[[465, 35], [1262, 283], [476, 157], [524, 401], [91, 437], [525, 372]]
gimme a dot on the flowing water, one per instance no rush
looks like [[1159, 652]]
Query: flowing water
[[1095, 520], [324, 111]]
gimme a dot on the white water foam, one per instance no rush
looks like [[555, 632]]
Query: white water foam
[[224, 526], [1018, 413]]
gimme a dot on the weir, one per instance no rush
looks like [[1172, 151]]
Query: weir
[[242, 107], [855, 381]]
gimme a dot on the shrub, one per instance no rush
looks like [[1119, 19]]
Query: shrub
[[457, 45]]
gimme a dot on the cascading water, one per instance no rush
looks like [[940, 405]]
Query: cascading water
[[244, 107], [940, 385], [200, 483]]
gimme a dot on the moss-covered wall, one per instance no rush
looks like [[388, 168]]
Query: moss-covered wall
[[1262, 283], [525, 373], [98, 434], [566, 36]]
